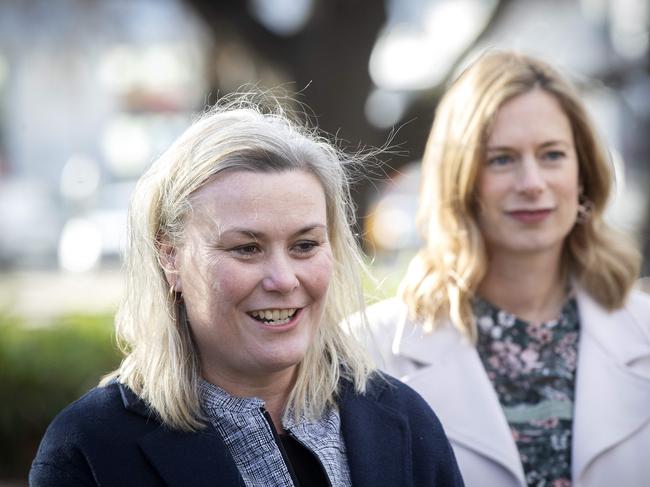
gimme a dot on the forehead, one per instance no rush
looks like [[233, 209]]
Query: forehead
[[260, 200], [536, 113]]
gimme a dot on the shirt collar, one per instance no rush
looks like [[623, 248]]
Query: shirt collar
[[215, 400]]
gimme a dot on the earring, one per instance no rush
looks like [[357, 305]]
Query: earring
[[585, 209], [175, 296]]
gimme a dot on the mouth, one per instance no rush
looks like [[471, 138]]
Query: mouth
[[530, 216], [273, 317], [530, 210]]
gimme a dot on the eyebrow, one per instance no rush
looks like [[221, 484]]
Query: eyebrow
[[261, 235], [550, 143]]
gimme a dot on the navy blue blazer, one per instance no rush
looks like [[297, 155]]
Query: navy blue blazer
[[110, 438]]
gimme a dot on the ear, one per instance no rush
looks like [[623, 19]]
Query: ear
[[169, 263]]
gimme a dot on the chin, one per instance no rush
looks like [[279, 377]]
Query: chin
[[280, 362], [536, 248], [286, 353]]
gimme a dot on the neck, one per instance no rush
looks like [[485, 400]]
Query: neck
[[273, 389], [531, 287]]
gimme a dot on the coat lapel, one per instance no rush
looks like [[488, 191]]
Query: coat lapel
[[612, 395], [181, 458], [453, 381]]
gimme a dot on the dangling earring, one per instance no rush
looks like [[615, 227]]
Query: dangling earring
[[585, 209]]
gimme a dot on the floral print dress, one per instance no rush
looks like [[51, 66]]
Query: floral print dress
[[532, 368]]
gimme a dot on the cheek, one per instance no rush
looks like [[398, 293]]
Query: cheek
[[572, 179], [213, 286], [489, 192], [229, 284], [573, 197], [319, 275], [569, 189]]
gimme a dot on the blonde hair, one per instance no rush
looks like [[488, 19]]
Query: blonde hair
[[161, 363], [443, 277]]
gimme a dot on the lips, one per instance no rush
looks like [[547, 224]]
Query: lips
[[530, 216]]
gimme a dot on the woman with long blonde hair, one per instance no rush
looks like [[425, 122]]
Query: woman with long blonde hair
[[517, 320]]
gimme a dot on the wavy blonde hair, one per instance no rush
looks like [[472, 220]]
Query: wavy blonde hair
[[161, 363], [445, 274]]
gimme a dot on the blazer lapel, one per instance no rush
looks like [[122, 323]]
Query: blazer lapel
[[453, 381], [183, 458], [612, 396]]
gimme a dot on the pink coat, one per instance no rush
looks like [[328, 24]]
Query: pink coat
[[611, 429]]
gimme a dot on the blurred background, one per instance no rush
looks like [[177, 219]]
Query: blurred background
[[92, 90]]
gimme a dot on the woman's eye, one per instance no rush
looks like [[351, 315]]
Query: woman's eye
[[553, 155], [305, 246], [246, 250], [500, 160]]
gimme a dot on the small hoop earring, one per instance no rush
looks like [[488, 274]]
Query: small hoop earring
[[175, 296], [585, 209]]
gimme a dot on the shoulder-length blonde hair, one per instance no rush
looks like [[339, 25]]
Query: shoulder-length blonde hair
[[445, 274], [161, 363]]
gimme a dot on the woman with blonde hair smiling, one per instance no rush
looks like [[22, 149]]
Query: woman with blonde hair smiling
[[517, 320], [240, 266]]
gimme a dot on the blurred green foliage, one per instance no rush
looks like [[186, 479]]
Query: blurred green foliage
[[43, 369]]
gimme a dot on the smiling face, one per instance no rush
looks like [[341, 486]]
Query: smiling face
[[528, 186], [254, 271]]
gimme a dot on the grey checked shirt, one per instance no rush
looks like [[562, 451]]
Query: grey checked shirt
[[250, 440]]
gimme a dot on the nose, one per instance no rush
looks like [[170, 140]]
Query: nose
[[530, 179], [280, 275]]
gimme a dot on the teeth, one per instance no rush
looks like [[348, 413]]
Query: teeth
[[274, 316]]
